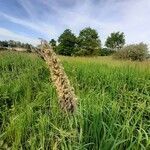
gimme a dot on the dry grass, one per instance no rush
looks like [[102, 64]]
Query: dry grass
[[65, 91]]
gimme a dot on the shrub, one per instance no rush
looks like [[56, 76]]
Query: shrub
[[81, 52], [133, 52], [106, 52]]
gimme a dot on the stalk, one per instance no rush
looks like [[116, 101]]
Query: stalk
[[65, 92]]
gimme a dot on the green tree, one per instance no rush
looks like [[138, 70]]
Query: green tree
[[67, 41], [115, 41], [88, 42], [53, 44], [18, 44], [4, 44], [12, 43]]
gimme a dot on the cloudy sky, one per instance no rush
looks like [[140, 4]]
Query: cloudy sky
[[27, 20]]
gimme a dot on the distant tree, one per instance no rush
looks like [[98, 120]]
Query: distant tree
[[115, 41], [53, 44], [1, 43], [67, 41], [18, 44], [88, 42], [27, 46], [12, 43], [4, 43]]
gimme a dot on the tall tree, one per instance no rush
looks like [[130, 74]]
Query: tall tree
[[67, 41], [88, 42], [115, 41]]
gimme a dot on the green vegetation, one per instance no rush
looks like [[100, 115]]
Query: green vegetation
[[53, 44], [13, 44], [67, 42], [115, 41], [88, 43], [113, 104], [107, 52], [133, 52]]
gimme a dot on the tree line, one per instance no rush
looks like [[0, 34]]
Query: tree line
[[14, 44], [87, 43]]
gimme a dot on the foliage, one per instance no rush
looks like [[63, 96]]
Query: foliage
[[53, 44], [133, 52], [88, 42], [67, 41], [14, 44], [106, 52], [3, 43], [113, 111], [115, 41]]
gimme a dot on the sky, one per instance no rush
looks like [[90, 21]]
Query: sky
[[28, 20]]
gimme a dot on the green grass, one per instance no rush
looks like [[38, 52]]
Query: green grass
[[113, 104]]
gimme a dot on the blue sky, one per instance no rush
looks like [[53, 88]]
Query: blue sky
[[27, 20]]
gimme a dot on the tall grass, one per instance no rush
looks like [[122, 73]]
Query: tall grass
[[113, 113]]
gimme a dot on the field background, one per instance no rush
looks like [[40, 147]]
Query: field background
[[113, 104]]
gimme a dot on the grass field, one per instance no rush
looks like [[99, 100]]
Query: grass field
[[113, 104]]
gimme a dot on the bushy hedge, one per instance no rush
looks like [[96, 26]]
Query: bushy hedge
[[133, 52], [106, 52]]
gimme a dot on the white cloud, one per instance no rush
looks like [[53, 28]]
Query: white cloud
[[9, 35], [106, 16], [39, 26]]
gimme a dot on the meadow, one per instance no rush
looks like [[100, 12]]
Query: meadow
[[113, 104]]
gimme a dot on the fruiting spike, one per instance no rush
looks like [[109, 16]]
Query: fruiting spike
[[65, 91]]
